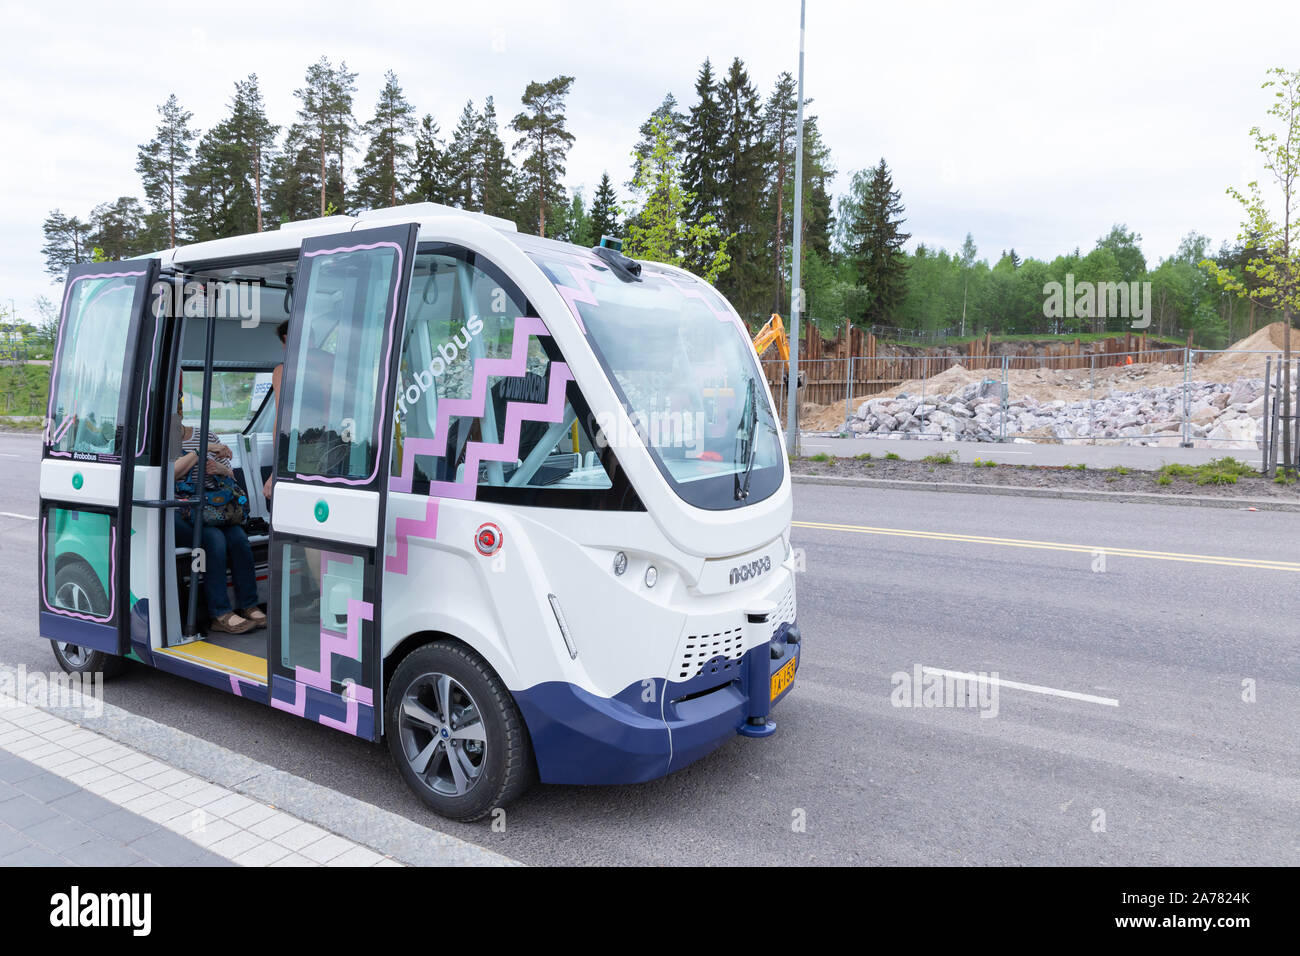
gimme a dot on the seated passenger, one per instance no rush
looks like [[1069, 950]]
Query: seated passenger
[[223, 547]]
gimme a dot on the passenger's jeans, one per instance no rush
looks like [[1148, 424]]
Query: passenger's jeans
[[223, 547]]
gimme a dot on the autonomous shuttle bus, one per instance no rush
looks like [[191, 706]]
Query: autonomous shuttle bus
[[528, 510]]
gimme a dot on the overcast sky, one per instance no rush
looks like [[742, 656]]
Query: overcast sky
[[1031, 125]]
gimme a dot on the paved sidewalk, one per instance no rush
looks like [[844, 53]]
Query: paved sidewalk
[[242, 810], [70, 796]]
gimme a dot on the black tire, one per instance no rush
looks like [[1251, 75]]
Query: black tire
[[77, 586], [480, 704]]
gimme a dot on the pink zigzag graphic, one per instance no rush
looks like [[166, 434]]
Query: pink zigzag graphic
[[403, 528], [693, 292], [331, 642], [517, 413], [474, 406], [581, 273]]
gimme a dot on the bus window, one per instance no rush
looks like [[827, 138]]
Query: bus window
[[462, 312], [329, 429], [88, 390]]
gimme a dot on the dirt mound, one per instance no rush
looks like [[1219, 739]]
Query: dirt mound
[[1267, 339], [1246, 357], [825, 418]]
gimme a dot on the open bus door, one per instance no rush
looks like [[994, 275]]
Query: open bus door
[[334, 431], [95, 435]]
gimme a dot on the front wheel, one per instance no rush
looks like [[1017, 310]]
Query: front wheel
[[77, 588], [455, 733]]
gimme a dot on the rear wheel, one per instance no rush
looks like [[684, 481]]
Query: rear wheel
[[455, 733], [77, 588]]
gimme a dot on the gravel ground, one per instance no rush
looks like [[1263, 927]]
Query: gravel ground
[[1043, 476]]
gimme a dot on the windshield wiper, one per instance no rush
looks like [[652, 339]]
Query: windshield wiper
[[748, 440]]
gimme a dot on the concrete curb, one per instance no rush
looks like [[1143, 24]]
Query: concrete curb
[[381, 830], [1023, 491]]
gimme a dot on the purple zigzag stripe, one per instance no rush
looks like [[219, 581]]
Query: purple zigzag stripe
[[581, 273], [508, 450], [298, 706], [331, 642], [693, 292], [403, 528], [474, 406]]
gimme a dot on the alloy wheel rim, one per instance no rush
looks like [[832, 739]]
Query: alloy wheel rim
[[443, 735]]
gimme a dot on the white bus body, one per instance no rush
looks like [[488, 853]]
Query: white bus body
[[530, 511]]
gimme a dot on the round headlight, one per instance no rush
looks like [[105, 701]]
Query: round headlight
[[620, 563], [651, 576]]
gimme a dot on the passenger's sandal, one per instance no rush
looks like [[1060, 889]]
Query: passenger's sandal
[[255, 615], [226, 625]]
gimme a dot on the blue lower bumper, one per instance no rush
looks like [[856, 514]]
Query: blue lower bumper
[[652, 727]]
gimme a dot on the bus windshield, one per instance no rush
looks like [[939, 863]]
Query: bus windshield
[[685, 371]]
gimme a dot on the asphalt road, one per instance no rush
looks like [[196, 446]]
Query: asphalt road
[[1179, 770]]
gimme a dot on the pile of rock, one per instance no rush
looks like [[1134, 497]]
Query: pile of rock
[[1227, 415]]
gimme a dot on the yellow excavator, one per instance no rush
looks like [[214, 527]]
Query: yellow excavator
[[773, 332]]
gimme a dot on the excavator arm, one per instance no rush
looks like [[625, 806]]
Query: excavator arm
[[773, 332]]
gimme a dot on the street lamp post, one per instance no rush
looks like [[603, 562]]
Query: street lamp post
[[796, 290]]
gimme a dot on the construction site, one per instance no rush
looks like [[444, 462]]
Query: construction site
[[1124, 388]]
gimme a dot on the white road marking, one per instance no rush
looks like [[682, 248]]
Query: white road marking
[[1016, 685], [10, 514]]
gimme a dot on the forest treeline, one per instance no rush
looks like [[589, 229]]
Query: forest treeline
[[709, 185]]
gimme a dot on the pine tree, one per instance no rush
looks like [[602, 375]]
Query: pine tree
[[295, 178], [327, 125], [818, 216], [66, 244], [577, 223], [254, 137], [162, 162], [742, 180], [461, 166], [604, 211], [658, 231], [495, 193], [545, 142], [428, 172], [117, 229], [216, 191], [387, 161], [702, 162], [780, 128], [674, 123], [872, 218]]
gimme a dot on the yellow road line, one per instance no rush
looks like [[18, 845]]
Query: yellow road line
[[1092, 549]]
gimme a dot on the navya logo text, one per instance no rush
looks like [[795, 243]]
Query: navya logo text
[[743, 572]]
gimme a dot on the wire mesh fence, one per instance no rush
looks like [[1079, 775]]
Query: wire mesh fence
[[1229, 399]]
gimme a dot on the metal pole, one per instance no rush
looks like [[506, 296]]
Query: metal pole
[[1092, 398], [1276, 420], [197, 541], [920, 409], [796, 293], [1006, 388], [1187, 398], [1295, 420], [849, 400], [1268, 369]]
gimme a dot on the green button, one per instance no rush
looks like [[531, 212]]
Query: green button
[[78, 481], [322, 511]]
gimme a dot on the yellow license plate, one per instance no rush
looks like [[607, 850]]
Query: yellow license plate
[[783, 679]]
